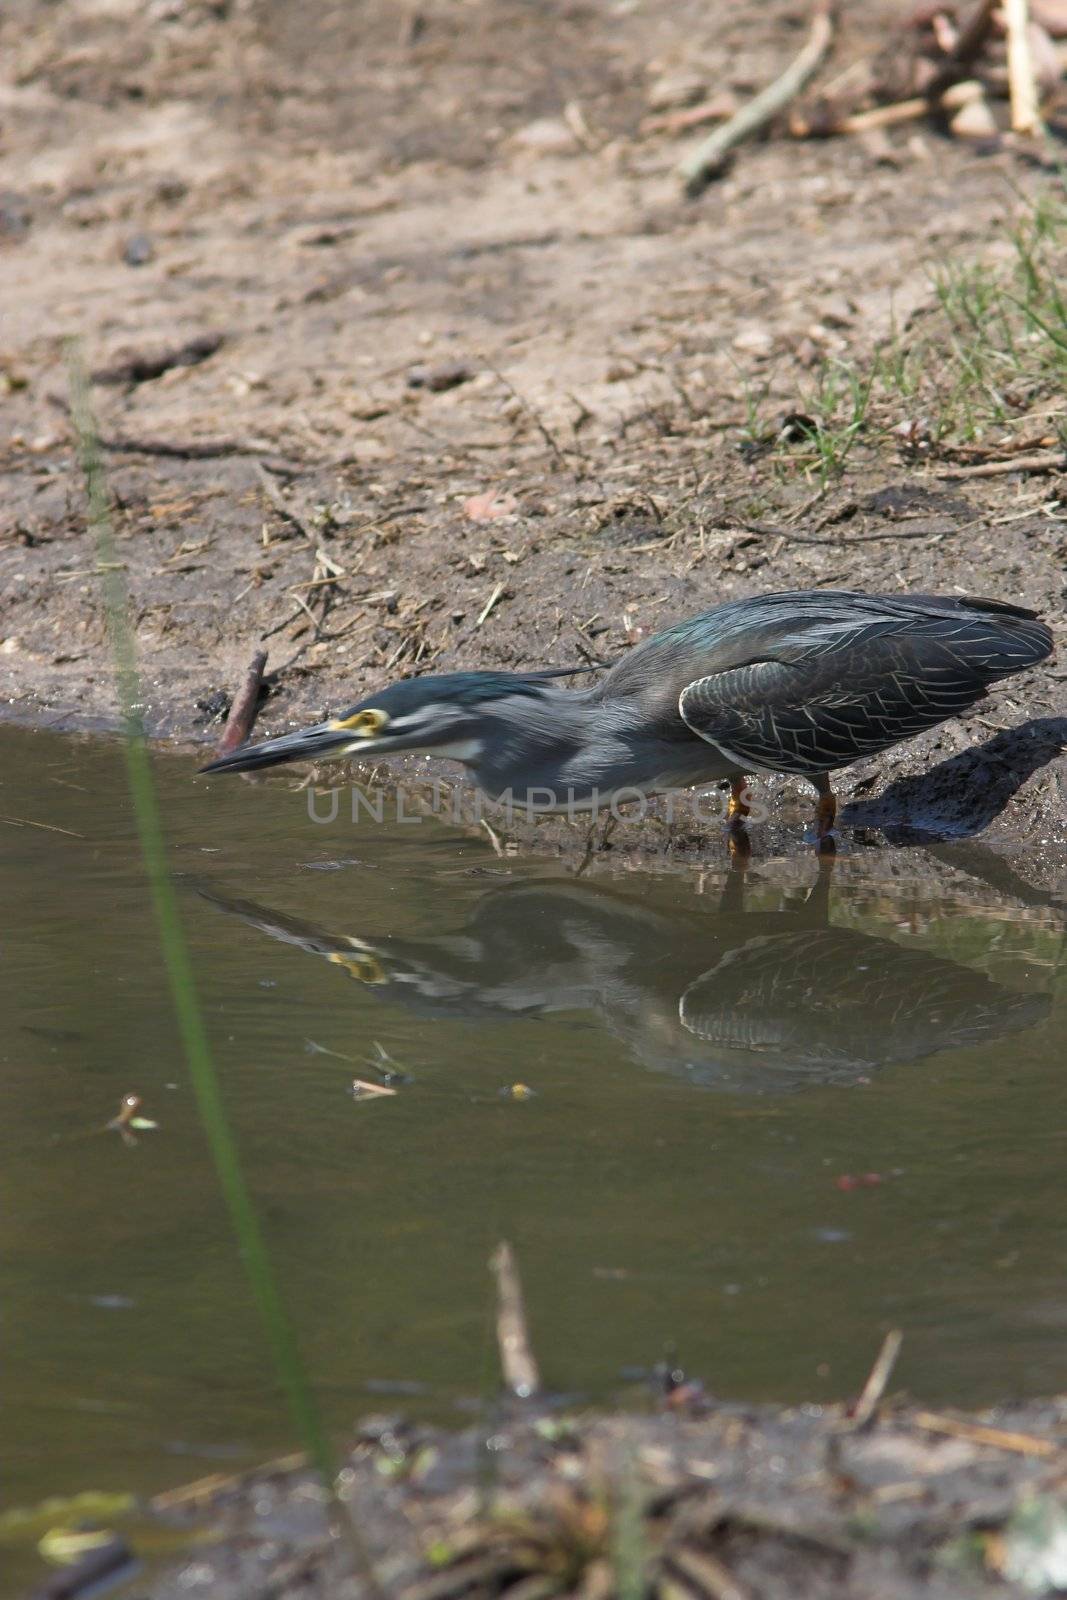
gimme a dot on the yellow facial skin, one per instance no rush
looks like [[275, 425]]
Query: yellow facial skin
[[364, 723], [363, 968]]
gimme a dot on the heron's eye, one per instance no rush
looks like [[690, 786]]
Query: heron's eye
[[366, 723]]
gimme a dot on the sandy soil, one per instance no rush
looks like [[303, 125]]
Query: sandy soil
[[351, 199]]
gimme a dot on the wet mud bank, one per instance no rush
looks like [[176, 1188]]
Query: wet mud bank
[[704, 1501]]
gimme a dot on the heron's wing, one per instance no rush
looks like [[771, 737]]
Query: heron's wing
[[850, 694]]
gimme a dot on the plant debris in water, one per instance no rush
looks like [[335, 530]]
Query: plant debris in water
[[129, 1120]]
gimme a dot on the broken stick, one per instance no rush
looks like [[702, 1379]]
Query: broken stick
[[884, 116], [995, 469], [1025, 1444], [513, 1341], [1025, 115], [706, 161], [242, 715], [877, 1379]]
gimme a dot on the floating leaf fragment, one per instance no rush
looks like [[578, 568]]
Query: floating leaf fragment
[[63, 1546], [858, 1180], [129, 1118], [362, 1090], [26, 1522], [129, 1106], [386, 1066]]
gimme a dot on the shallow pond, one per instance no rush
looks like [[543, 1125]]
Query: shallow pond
[[714, 1064]]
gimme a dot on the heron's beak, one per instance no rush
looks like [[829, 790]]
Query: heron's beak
[[325, 739]]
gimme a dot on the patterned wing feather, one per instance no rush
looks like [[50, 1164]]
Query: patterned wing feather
[[855, 692]]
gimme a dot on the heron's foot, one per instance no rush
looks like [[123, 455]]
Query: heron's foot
[[737, 807]]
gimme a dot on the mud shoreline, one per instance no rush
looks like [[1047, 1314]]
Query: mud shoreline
[[705, 1499]]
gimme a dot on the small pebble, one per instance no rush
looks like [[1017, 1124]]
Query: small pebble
[[548, 136], [15, 216], [138, 250], [675, 89], [449, 375]]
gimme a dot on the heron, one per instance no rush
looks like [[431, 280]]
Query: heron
[[801, 683], [725, 996]]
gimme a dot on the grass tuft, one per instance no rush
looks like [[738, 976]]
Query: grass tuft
[[988, 353]]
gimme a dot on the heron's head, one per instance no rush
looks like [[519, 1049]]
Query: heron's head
[[446, 715]]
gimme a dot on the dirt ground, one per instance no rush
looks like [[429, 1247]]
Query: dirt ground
[[363, 204], [713, 1502]]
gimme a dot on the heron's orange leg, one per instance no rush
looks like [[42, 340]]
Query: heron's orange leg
[[737, 809], [825, 814], [737, 840]]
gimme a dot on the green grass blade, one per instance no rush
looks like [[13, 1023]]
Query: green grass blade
[[222, 1144]]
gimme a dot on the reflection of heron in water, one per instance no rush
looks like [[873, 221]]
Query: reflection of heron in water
[[731, 998]]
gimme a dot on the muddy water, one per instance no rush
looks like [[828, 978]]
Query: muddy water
[[707, 1061]]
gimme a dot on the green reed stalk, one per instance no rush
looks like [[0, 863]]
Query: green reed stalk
[[221, 1141], [630, 1555]]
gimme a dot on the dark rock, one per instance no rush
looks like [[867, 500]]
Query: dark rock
[[138, 250]]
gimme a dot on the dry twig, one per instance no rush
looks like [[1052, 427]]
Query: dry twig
[[363, 1089], [513, 1340], [994, 469], [49, 827], [773, 531], [202, 1489], [1025, 1444], [1025, 114], [497, 593], [705, 1575], [974, 32], [970, 41], [209, 450], [706, 161], [884, 116], [877, 1379], [242, 715]]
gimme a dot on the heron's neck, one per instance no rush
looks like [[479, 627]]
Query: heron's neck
[[566, 746]]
